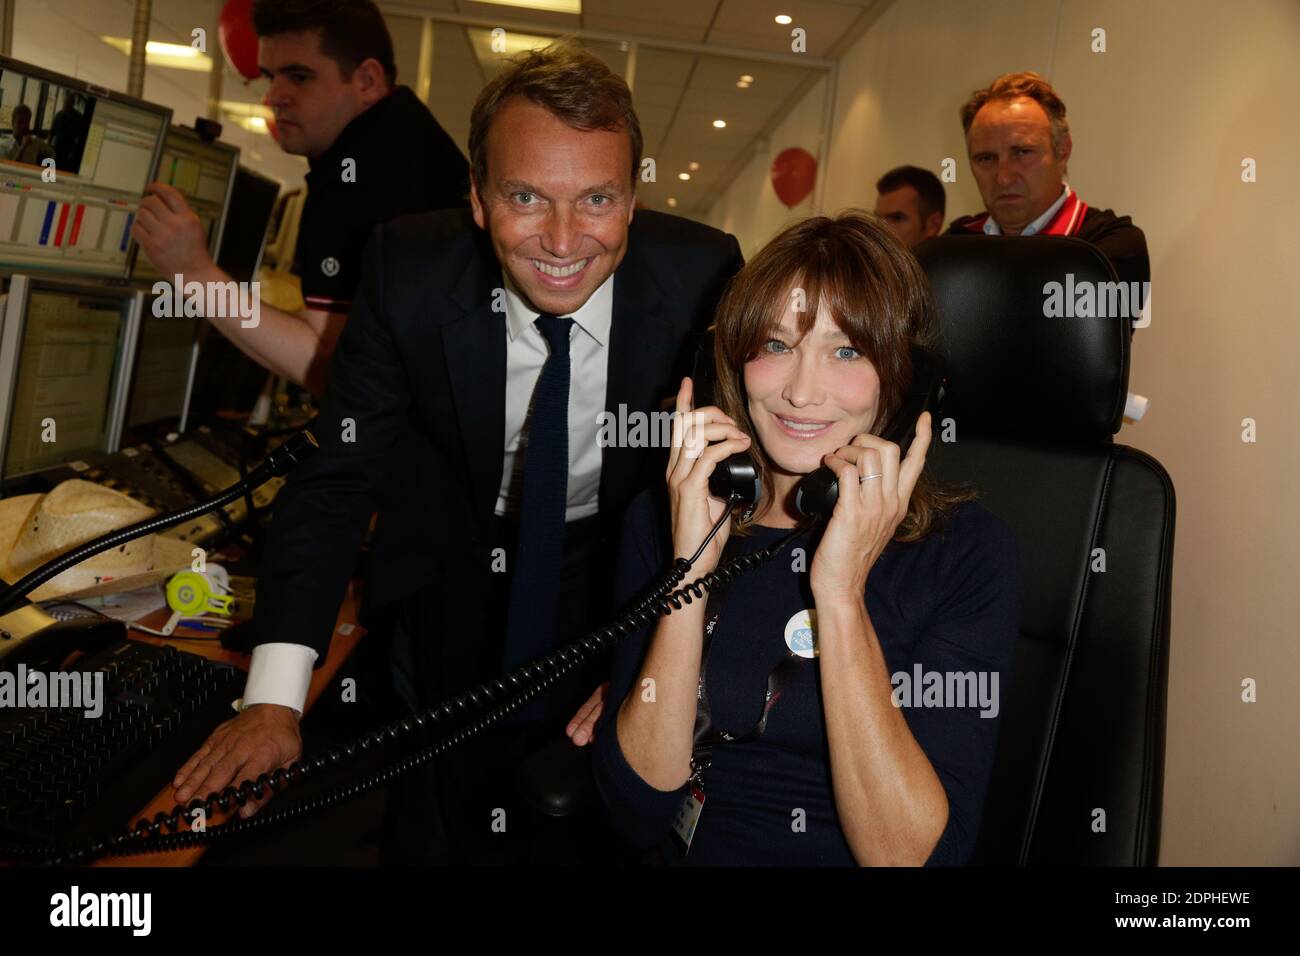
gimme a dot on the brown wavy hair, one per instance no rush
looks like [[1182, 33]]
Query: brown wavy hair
[[572, 83], [1010, 86], [875, 291]]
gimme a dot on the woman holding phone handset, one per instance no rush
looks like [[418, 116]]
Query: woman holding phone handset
[[775, 723]]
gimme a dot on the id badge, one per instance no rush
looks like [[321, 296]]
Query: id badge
[[688, 816]]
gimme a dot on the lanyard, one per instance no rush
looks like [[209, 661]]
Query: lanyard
[[706, 736]]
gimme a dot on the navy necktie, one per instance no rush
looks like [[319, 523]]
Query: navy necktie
[[535, 588]]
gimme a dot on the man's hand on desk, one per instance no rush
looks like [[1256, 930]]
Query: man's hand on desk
[[260, 740]]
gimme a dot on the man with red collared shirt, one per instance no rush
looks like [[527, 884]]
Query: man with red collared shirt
[[1018, 142]]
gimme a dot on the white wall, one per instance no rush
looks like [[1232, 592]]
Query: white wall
[[1161, 123], [749, 208]]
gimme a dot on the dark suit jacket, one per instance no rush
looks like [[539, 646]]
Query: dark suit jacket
[[413, 425]]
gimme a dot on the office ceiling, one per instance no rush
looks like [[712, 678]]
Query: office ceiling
[[678, 94]]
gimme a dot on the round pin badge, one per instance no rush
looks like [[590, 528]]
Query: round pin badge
[[801, 633]]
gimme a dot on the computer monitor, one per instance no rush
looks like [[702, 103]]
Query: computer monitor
[[162, 376], [104, 147], [204, 173], [227, 383], [251, 204], [64, 350]]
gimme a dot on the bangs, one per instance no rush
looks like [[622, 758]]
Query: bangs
[[850, 296]]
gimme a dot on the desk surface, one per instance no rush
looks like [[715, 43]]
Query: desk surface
[[341, 646]]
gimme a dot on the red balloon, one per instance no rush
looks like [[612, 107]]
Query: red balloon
[[793, 173], [238, 41]]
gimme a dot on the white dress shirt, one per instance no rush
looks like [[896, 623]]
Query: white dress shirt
[[991, 228], [280, 673], [526, 353]]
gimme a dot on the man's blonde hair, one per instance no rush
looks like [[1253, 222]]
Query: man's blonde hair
[[1010, 86], [572, 83]]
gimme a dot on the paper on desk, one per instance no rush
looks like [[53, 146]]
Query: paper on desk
[[130, 605]]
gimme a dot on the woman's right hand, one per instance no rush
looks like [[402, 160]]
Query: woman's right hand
[[690, 462]]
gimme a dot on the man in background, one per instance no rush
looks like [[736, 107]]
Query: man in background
[[68, 134], [375, 153], [911, 201], [28, 147], [1019, 143]]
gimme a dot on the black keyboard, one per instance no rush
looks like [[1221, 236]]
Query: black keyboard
[[64, 775]]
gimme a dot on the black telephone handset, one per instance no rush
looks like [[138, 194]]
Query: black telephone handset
[[736, 478], [818, 492]]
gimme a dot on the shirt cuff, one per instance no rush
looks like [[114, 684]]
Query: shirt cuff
[[279, 674]]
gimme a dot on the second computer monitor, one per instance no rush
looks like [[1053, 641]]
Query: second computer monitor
[[252, 202], [161, 376], [204, 173]]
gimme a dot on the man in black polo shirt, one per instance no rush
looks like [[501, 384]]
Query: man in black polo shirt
[[375, 153]]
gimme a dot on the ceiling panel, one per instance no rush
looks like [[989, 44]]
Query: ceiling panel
[[667, 19], [751, 24]]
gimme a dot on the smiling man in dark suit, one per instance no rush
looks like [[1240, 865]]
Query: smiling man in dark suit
[[479, 358]]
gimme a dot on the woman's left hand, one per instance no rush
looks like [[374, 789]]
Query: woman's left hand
[[867, 513]]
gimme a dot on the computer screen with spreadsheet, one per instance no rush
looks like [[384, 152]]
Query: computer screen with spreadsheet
[[63, 349], [162, 375], [203, 172], [74, 162]]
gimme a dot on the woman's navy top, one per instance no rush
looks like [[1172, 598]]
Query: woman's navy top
[[948, 604]]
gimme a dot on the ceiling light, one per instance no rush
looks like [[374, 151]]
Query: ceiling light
[[719, 124], [551, 6], [672, 202], [253, 117], [743, 85], [175, 56], [683, 176], [746, 78], [254, 124], [692, 166], [783, 19]]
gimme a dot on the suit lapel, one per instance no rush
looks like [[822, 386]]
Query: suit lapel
[[475, 350], [641, 345]]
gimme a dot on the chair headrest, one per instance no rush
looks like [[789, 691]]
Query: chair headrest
[[1026, 359]]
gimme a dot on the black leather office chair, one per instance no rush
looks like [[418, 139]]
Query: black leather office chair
[[1035, 402]]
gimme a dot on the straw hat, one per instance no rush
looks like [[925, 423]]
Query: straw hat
[[37, 528]]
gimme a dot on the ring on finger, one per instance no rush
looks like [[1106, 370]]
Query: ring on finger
[[868, 478]]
